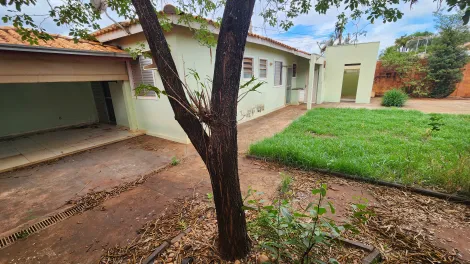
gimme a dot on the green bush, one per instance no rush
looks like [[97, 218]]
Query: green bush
[[394, 97]]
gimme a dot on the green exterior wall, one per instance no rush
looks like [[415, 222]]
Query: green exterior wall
[[119, 104], [33, 107], [336, 57], [155, 115]]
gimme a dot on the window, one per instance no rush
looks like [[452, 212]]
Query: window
[[277, 73], [263, 68], [247, 68], [142, 73], [294, 70]]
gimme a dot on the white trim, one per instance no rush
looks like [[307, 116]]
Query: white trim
[[259, 69], [252, 69], [137, 28]]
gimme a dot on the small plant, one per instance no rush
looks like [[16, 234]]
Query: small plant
[[210, 196], [174, 161], [289, 235], [182, 225], [394, 97], [435, 123], [22, 234]]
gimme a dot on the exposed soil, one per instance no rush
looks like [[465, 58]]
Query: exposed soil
[[85, 238]]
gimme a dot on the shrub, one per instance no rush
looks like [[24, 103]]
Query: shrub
[[394, 97]]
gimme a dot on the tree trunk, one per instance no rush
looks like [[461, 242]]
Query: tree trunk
[[223, 163], [219, 151]]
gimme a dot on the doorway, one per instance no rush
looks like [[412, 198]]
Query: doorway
[[289, 85], [103, 102], [350, 82]]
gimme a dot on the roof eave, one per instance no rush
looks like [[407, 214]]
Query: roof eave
[[252, 38], [40, 49]]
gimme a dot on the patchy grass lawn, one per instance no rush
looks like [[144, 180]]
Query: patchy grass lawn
[[390, 144]]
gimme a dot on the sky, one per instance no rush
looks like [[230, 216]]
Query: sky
[[308, 29]]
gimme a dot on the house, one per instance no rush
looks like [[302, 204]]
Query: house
[[89, 86], [284, 69], [47, 89]]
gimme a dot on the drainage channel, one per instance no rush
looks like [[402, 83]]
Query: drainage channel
[[51, 220]]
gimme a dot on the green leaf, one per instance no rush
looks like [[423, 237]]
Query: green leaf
[[316, 191], [332, 208]]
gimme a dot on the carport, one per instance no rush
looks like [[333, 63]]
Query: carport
[[60, 97]]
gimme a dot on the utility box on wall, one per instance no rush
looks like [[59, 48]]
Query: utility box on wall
[[356, 63]]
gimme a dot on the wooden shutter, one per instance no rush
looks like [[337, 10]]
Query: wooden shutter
[[277, 73], [141, 76], [247, 68], [263, 68]]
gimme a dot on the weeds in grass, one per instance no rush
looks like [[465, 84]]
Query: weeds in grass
[[408, 147]]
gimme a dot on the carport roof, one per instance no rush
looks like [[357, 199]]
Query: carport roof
[[11, 40]]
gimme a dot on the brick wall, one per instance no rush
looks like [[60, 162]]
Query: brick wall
[[385, 80], [463, 88]]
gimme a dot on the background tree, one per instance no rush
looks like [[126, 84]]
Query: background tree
[[410, 69], [212, 128], [447, 55]]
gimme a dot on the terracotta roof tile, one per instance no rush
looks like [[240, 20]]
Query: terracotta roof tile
[[114, 27], [8, 35]]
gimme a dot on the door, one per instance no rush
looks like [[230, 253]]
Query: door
[[109, 103], [288, 85]]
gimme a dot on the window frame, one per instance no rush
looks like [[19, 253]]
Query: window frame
[[259, 68], [154, 72], [282, 66], [252, 67], [294, 70]]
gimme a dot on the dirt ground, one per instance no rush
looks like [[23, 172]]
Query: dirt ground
[[28, 194], [84, 238], [445, 106]]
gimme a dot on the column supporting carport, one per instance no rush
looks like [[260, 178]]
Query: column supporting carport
[[130, 106], [314, 60]]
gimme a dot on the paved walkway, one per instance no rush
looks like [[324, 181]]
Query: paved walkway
[[445, 106], [26, 195], [32, 149]]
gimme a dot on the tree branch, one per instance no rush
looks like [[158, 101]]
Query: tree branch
[[169, 75]]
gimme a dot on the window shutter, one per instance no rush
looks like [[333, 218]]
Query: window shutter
[[294, 70], [247, 68], [263, 68], [141, 76], [277, 73]]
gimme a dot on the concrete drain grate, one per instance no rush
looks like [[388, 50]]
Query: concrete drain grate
[[51, 220]]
